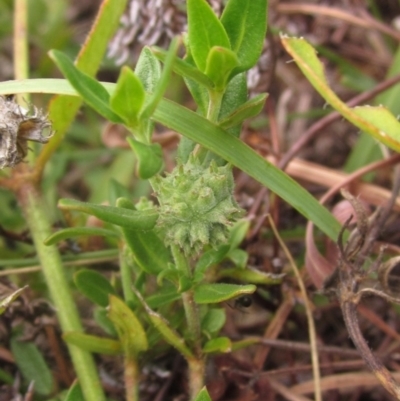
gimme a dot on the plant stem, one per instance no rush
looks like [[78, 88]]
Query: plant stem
[[126, 277], [191, 311], [214, 106], [349, 310], [20, 42], [131, 377], [196, 376], [36, 216], [197, 364]]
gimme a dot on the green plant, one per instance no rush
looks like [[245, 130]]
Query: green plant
[[180, 241]]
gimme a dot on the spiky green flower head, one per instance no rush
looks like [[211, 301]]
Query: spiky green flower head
[[197, 206]]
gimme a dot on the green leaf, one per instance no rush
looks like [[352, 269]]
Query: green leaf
[[101, 318], [185, 69], [150, 158], [116, 190], [130, 331], [169, 334], [251, 275], [67, 233], [181, 280], [62, 109], [220, 292], [209, 258], [90, 343], [165, 329], [219, 344], [132, 219], [238, 233], [9, 299], [212, 137], [247, 110], [165, 79], [204, 31], [148, 70], [94, 286], [214, 320], [75, 393], [245, 22], [147, 248], [234, 97], [203, 395], [92, 92], [378, 122], [220, 63], [128, 98], [199, 92], [32, 366], [163, 296], [239, 257]]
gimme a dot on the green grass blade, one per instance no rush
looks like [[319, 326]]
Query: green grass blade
[[209, 135]]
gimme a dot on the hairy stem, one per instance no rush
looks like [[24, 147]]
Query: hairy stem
[[197, 364], [36, 216]]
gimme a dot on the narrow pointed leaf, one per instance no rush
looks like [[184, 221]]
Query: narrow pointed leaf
[[130, 331], [32, 365], [205, 31], [185, 69], [220, 292], [90, 343], [169, 334], [203, 395], [164, 296], [238, 233], [75, 393], [164, 80], [62, 109], [247, 110], [147, 248], [5, 302], [79, 232], [92, 92], [132, 219], [235, 96], [245, 22], [376, 121], [128, 98], [250, 275]]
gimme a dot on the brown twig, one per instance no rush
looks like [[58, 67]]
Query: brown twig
[[364, 21], [351, 281]]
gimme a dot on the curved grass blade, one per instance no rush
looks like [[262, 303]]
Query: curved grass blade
[[378, 122], [209, 135]]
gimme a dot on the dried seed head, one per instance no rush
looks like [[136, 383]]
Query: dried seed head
[[17, 127]]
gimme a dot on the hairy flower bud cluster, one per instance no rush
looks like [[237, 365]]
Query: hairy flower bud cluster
[[197, 206]]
